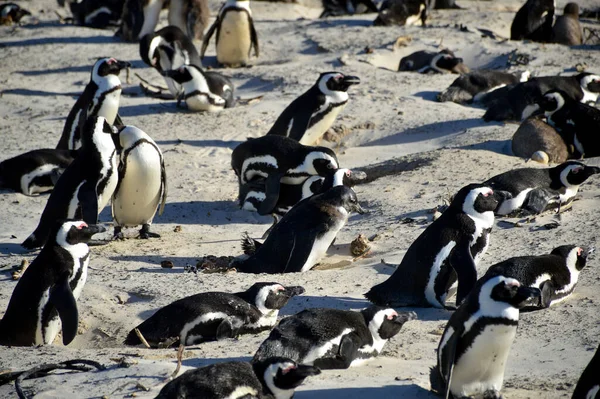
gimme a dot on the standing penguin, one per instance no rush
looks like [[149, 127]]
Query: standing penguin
[[567, 29], [100, 98], [446, 252], [309, 116], [236, 34], [588, 386], [85, 187], [533, 190], [533, 21], [49, 289], [555, 274], [332, 338], [475, 345], [35, 171], [142, 186]]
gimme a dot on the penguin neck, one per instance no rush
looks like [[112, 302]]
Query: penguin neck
[[77, 251], [244, 5], [107, 83], [104, 144], [483, 220]]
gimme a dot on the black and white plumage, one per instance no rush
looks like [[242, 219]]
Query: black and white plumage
[[533, 21], [168, 49], [302, 237], [279, 159], [213, 316], [567, 30], [97, 14], [142, 187], [100, 98], [445, 253], [332, 338], [236, 34], [12, 13], [588, 386], [308, 117], [336, 8], [49, 289], [203, 90], [431, 62], [36, 171], [471, 87], [533, 190], [274, 378], [555, 274], [474, 348], [402, 13], [86, 185]]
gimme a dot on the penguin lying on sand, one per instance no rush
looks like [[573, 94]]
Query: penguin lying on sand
[[11, 13], [336, 8], [474, 348], [472, 86], [431, 62], [446, 252], [567, 29], [534, 190], [49, 289], [533, 21], [402, 13], [588, 386], [332, 338]]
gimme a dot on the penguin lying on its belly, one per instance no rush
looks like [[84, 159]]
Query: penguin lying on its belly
[[472, 86], [431, 62], [402, 13], [336, 8]]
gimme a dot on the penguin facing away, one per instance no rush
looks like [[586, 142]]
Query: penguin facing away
[[49, 289], [588, 386], [36, 171], [472, 86], [336, 8], [445, 253], [142, 186], [567, 29], [402, 13], [533, 21], [100, 98], [308, 117], [86, 185], [476, 342], [332, 338]]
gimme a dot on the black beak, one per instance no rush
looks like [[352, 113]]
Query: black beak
[[92, 229], [351, 80], [123, 64], [594, 86], [354, 178], [302, 371], [592, 170], [358, 209], [403, 317], [293, 291]]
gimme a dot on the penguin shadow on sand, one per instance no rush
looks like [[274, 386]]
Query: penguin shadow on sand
[[200, 143], [365, 20], [61, 40], [209, 212], [386, 391], [502, 147], [206, 361]]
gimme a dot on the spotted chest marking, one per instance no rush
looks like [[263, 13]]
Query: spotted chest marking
[[234, 39]]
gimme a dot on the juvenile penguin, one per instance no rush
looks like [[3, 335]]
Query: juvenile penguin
[[49, 289], [475, 345], [100, 98], [142, 186], [555, 274], [236, 35], [304, 234], [279, 159], [431, 62], [567, 29], [35, 171], [533, 21], [86, 185], [588, 386], [402, 13], [336, 8], [203, 90], [472, 86], [309, 116], [332, 338], [446, 252], [275, 378], [11, 13], [534, 190], [540, 142], [96, 13]]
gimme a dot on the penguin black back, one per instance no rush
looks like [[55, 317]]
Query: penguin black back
[[533, 21], [336, 8], [588, 386]]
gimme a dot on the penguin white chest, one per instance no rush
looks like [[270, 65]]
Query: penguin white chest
[[512, 204], [109, 173], [233, 44], [109, 105], [316, 131]]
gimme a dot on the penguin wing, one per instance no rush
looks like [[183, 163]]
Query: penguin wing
[[63, 300], [208, 35], [272, 187], [163, 186], [88, 201], [463, 264], [302, 245], [121, 174], [447, 361], [299, 124], [253, 36]]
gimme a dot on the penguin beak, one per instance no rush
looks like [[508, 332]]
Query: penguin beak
[[293, 291], [403, 317], [354, 177], [592, 170], [123, 64], [302, 371], [358, 209], [92, 229], [351, 80]]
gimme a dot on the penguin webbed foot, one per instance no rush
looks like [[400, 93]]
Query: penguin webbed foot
[[491, 394], [118, 234], [145, 233]]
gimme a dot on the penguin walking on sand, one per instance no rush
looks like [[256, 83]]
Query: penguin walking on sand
[[332, 338], [36, 171], [100, 98], [534, 190], [49, 289], [431, 62], [445, 253], [471, 87], [236, 35], [555, 274], [337, 8], [474, 348], [142, 186], [86, 185], [533, 21], [309, 116], [275, 378], [588, 386], [567, 29], [301, 239]]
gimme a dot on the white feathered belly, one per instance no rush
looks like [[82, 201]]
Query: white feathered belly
[[319, 128], [202, 103], [110, 106], [321, 245], [109, 189], [233, 47], [513, 204]]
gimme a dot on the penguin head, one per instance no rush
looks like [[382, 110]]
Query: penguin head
[[552, 101], [573, 173], [181, 75], [323, 161], [576, 257], [385, 323], [589, 82], [572, 9], [281, 376], [475, 199], [498, 291], [447, 61], [108, 66], [341, 197], [73, 232], [148, 49], [272, 296], [335, 81]]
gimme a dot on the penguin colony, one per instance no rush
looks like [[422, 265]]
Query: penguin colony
[[286, 174]]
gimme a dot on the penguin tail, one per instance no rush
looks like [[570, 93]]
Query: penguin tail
[[132, 338], [32, 242], [249, 245], [374, 295], [437, 382], [454, 94], [394, 294]]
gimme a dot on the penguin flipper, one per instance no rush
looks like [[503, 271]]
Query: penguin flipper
[[163, 186], [448, 366], [224, 330], [272, 187], [118, 121], [547, 288], [207, 37], [302, 246], [253, 37], [537, 201], [347, 352], [63, 300], [370, 5], [463, 264], [88, 201], [299, 126]]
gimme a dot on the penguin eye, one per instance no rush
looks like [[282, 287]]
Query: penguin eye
[[329, 166]]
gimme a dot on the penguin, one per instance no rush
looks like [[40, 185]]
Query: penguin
[[471, 87], [303, 235], [402, 13], [86, 185], [534, 190], [588, 386], [279, 159], [276, 378], [11, 13], [96, 14], [142, 186], [210, 316], [100, 98], [555, 274], [540, 142], [337, 8], [533, 21], [308, 117], [446, 252], [567, 29], [332, 338], [236, 34], [49, 288], [444, 5], [474, 348], [168, 49], [36, 171], [431, 62], [203, 90]]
